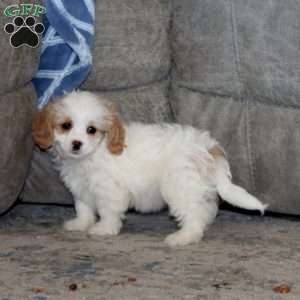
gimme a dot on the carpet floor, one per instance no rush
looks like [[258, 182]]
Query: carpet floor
[[241, 257]]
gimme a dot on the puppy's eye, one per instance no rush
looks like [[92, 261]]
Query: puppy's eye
[[91, 130], [66, 125]]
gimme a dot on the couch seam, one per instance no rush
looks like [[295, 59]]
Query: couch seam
[[137, 87], [172, 62], [250, 149], [215, 94], [237, 62], [236, 49]]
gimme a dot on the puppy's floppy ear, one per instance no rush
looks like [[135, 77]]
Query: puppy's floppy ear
[[115, 132], [42, 127]]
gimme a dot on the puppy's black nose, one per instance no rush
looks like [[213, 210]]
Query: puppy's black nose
[[76, 145]]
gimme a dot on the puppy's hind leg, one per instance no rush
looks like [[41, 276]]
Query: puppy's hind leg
[[85, 218], [192, 203]]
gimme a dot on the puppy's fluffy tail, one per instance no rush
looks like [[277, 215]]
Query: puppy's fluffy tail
[[231, 193]]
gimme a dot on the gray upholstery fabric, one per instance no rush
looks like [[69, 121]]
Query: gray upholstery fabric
[[43, 184], [274, 139], [16, 110], [237, 73], [202, 45], [260, 140], [17, 97], [145, 103], [242, 49], [267, 38], [131, 44]]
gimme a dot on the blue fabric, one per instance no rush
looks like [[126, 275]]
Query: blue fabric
[[66, 57]]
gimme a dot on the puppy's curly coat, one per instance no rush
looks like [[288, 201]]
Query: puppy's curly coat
[[111, 167]]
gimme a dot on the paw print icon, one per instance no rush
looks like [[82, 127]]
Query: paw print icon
[[24, 32]]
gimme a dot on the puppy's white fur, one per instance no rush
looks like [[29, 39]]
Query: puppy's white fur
[[160, 165]]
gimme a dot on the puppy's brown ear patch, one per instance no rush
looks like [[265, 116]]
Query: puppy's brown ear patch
[[116, 136], [42, 128]]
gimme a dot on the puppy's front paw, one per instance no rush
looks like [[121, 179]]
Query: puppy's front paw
[[77, 225], [104, 229], [182, 238]]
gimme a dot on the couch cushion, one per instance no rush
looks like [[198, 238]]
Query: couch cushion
[[237, 73], [260, 140], [243, 49], [17, 98], [144, 104], [16, 111], [131, 45], [43, 184], [267, 38], [202, 46]]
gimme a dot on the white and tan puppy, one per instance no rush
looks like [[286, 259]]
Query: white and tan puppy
[[110, 167]]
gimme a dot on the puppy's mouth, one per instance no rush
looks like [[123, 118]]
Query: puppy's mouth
[[76, 152]]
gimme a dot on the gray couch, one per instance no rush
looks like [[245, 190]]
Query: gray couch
[[232, 67], [17, 98]]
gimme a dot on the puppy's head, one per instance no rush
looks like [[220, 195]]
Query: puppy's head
[[77, 124]]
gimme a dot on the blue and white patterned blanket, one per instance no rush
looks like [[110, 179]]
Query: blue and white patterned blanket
[[66, 57]]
